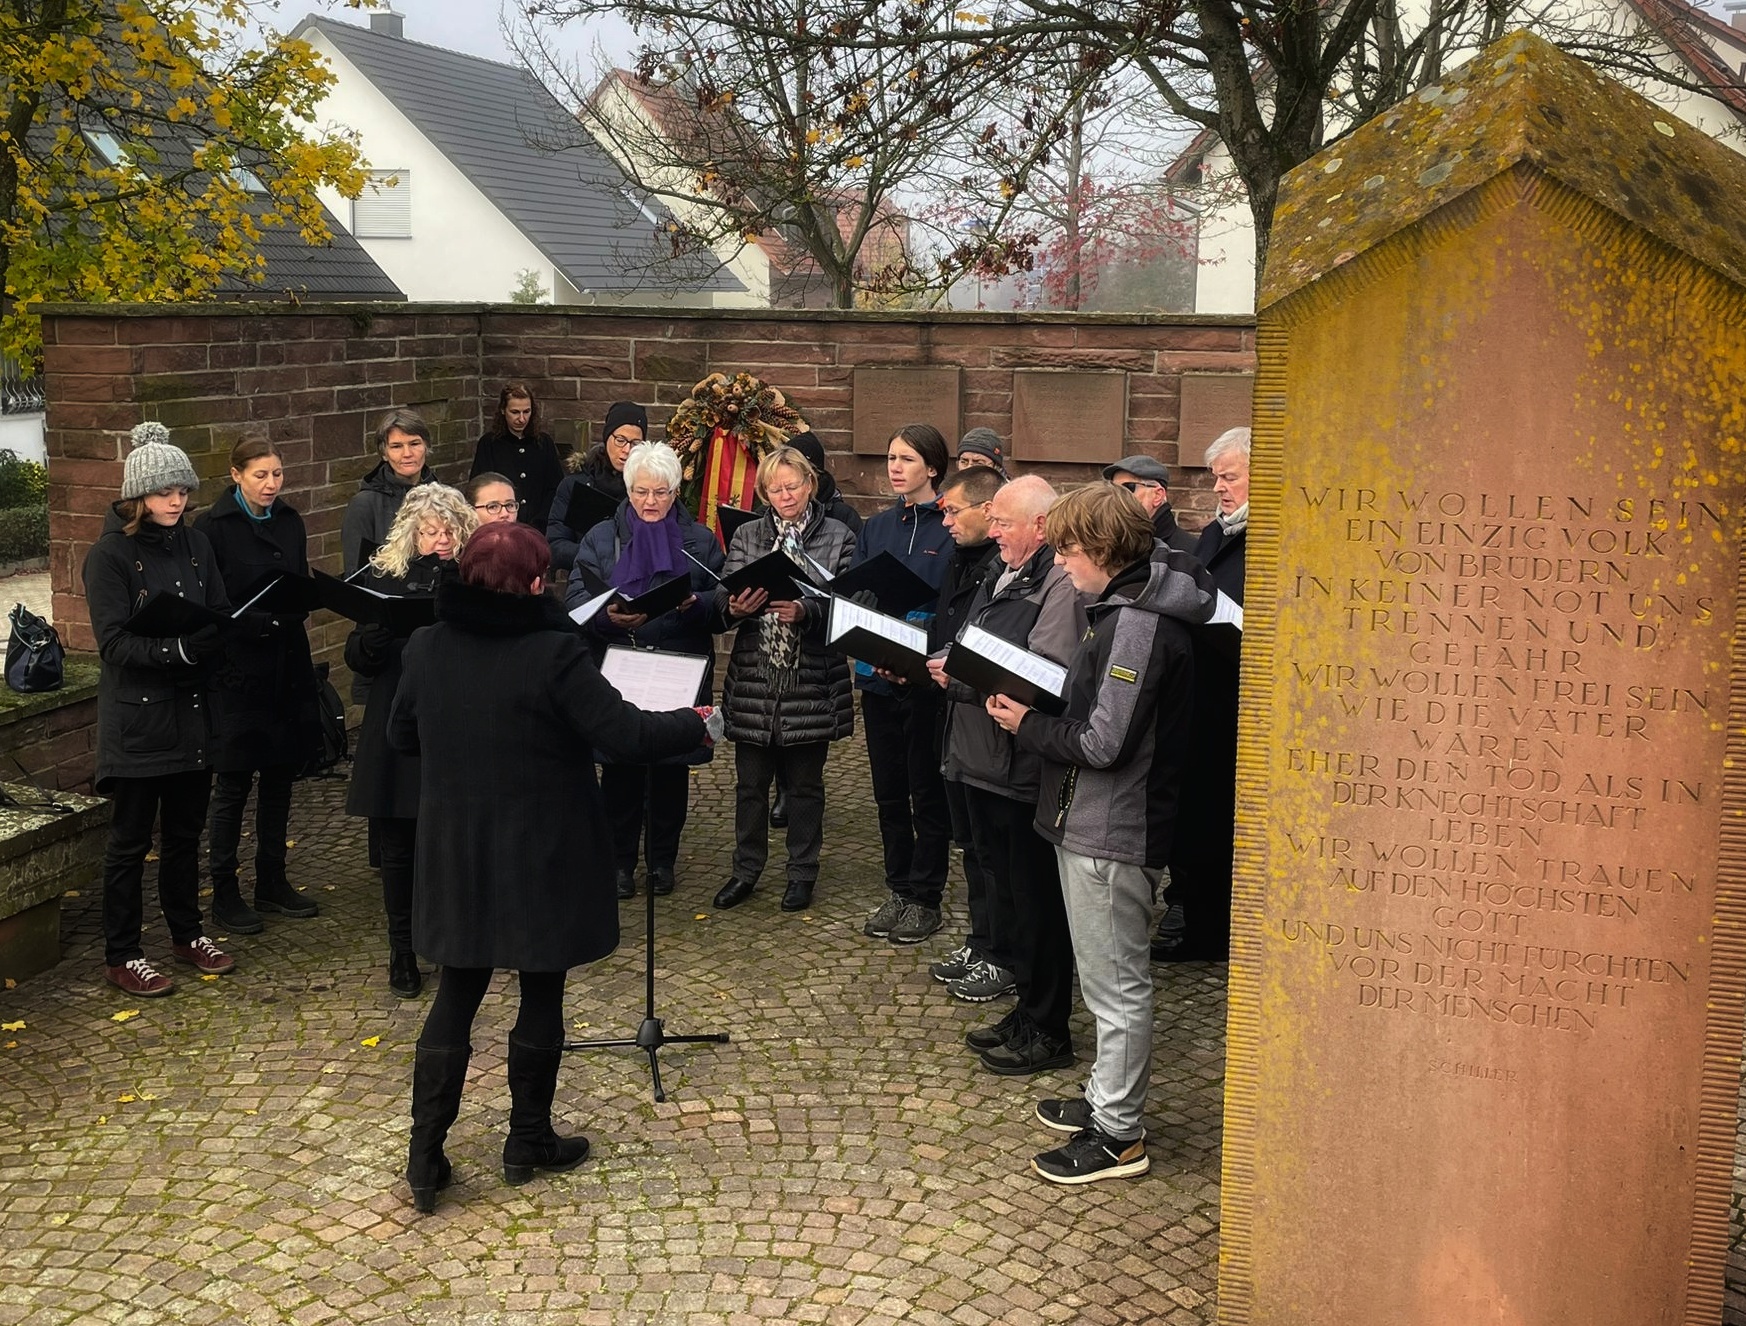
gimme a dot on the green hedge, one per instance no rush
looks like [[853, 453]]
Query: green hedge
[[24, 533], [23, 483]]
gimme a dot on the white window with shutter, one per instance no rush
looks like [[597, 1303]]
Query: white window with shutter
[[384, 209]]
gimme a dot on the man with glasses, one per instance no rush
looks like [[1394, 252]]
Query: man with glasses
[[1149, 481]]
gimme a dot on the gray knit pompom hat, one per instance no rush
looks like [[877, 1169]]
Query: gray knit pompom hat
[[154, 464]]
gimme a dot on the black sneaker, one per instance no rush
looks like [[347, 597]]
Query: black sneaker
[[1091, 1156], [277, 895], [955, 966], [914, 923], [984, 982], [1065, 1116], [878, 924], [1030, 1051], [234, 916], [993, 1037]]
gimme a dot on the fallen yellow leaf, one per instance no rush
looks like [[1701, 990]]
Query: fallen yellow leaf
[[209, 976], [70, 893], [126, 1098], [370, 1042], [124, 1015], [151, 856], [11, 1045], [102, 1118], [251, 1111], [11, 1026], [146, 1095], [290, 842], [11, 984], [701, 916]]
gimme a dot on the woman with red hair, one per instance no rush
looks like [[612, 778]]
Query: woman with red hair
[[503, 704]]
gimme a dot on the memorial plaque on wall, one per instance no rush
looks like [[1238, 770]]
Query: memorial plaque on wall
[[888, 398], [1211, 403], [1064, 415], [1486, 989]]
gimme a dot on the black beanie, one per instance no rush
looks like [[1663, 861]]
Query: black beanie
[[620, 413], [808, 445]]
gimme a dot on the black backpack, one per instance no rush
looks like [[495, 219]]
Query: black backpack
[[330, 746]]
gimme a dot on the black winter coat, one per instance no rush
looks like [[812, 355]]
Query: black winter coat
[[370, 514], [964, 575], [686, 631], [384, 780], [1202, 855], [1165, 527], [1225, 556], [502, 705], [531, 464], [153, 715], [263, 693], [596, 473], [820, 703]]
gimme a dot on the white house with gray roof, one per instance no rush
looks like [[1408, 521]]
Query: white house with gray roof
[[479, 174]]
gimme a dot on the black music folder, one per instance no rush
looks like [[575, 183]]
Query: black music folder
[[993, 666], [588, 507], [400, 613], [772, 572], [897, 588], [164, 615], [730, 518]]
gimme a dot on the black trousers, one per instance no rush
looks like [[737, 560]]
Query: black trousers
[[1026, 912], [981, 937], [803, 767], [230, 794], [396, 843], [178, 803], [539, 1021], [657, 796], [903, 754]]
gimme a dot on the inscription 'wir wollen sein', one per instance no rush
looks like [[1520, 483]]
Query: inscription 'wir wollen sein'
[[1550, 587]]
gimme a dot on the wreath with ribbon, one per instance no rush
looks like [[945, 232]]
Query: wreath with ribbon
[[720, 433]]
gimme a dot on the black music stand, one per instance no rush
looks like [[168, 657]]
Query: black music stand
[[650, 1035]]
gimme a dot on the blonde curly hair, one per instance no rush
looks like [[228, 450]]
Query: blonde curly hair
[[428, 502]]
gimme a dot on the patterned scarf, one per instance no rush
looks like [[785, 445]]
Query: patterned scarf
[[778, 640], [1235, 523]]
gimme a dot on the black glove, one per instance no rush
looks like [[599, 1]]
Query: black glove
[[375, 641], [201, 644], [258, 625], [865, 598]]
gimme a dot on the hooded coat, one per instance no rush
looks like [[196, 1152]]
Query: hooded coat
[[1113, 764], [503, 707], [264, 692], [153, 712], [819, 705], [370, 514]]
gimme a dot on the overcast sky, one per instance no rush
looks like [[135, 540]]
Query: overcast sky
[[471, 26]]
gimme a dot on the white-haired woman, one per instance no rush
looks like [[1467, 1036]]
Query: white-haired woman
[[422, 544], [650, 541]]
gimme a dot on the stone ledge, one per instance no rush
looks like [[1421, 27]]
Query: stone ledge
[[44, 852]]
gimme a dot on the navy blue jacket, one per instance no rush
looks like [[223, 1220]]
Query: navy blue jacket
[[916, 535]]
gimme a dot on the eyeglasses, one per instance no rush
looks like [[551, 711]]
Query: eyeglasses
[[787, 490], [1134, 485], [621, 440], [498, 508], [650, 494], [955, 511]]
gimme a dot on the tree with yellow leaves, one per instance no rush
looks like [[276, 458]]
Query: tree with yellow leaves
[[145, 146]]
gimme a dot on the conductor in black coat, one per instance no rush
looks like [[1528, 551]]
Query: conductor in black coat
[[264, 691], [504, 707]]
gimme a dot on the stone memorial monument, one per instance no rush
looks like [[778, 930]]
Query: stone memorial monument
[[1489, 962]]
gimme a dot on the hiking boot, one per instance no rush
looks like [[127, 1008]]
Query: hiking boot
[[1031, 1050], [203, 954], [136, 976], [404, 978], [1090, 1156], [993, 1037], [878, 925], [230, 913], [984, 982], [277, 895], [955, 966], [914, 923]]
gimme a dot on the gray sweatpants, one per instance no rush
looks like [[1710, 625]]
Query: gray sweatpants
[[1109, 911]]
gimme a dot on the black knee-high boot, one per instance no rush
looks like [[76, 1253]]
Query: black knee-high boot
[[437, 1078], [533, 1081]]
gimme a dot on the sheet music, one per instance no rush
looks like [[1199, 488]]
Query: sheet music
[[846, 616], [583, 614], [1226, 609], [654, 681], [1052, 677]]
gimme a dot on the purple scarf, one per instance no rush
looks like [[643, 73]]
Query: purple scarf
[[653, 549]]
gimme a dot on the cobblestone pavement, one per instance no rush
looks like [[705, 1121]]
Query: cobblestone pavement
[[233, 1153]]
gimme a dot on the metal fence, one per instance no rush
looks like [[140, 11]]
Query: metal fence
[[19, 394]]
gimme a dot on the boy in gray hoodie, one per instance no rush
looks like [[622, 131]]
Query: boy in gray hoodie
[[1112, 769]]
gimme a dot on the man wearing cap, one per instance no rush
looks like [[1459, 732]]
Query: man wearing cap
[[1149, 481], [981, 446]]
